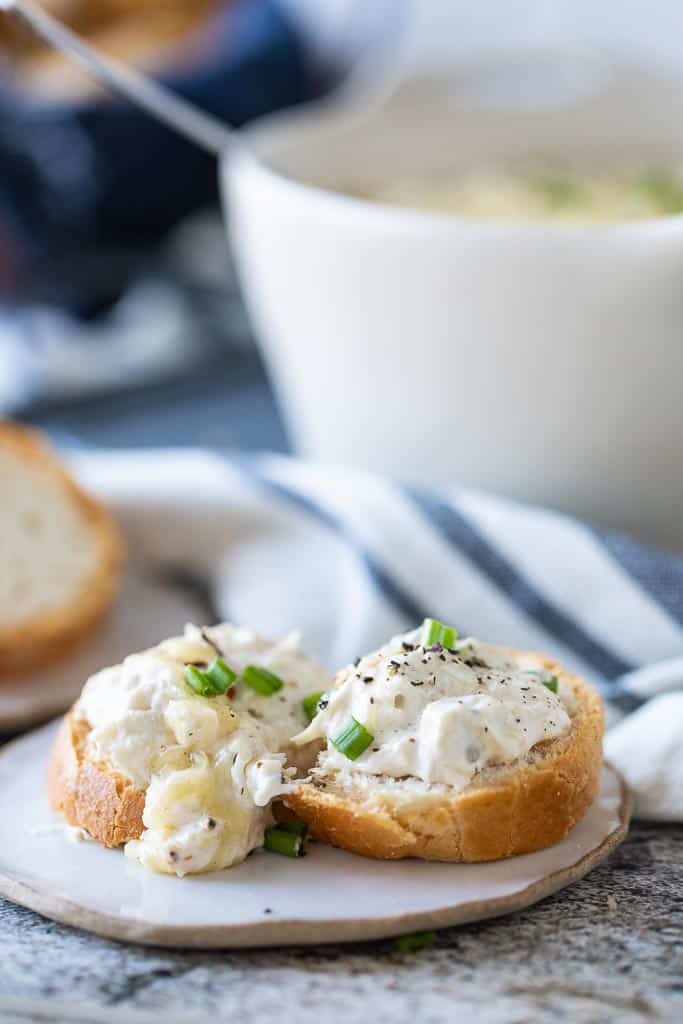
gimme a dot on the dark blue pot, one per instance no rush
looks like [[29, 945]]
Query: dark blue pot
[[103, 171]]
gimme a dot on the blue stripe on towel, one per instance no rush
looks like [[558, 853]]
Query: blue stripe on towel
[[620, 698], [390, 590], [658, 572], [462, 534]]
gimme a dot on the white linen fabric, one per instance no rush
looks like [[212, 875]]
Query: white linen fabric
[[351, 559]]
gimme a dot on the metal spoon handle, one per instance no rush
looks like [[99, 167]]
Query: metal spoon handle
[[201, 128]]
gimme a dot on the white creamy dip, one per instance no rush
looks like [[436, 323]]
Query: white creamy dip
[[283, 712], [210, 765], [436, 715]]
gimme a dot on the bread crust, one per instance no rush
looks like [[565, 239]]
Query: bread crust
[[102, 801], [41, 639], [515, 810]]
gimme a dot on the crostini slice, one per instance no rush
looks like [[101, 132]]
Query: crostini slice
[[465, 752], [179, 752]]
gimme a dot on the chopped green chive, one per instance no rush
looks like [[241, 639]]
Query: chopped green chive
[[353, 739], [310, 704], [297, 828], [216, 679], [278, 840], [199, 681], [221, 675], [434, 632], [261, 680], [550, 682], [414, 943]]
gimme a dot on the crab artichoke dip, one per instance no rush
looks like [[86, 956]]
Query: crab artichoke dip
[[197, 729]]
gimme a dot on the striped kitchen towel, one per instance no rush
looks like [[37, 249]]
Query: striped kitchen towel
[[352, 559]]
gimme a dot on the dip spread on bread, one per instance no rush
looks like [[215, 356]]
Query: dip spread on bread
[[438, 712], [283, 712], [208, 757]]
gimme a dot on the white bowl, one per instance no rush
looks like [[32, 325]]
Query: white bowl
[[543, 361]]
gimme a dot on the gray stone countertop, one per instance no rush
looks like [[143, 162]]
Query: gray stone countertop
[[609, 948]]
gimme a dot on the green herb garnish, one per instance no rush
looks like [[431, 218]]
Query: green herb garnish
[[261, 680], [310, 704], [353, 739], [199, 681], [434, 632], [415, 942], [221, 675], [210, 682], [280, 840], [550, 682]]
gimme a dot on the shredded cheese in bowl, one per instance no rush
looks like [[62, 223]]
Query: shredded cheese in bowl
[[549, 193]]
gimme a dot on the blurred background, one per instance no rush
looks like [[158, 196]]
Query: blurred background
[[120, 322], [120, 318]]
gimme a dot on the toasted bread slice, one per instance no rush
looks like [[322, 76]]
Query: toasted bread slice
[[102, 801], [60, 555], [151, 752], [506, 810]]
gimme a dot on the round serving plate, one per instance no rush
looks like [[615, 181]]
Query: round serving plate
[[329, 896]]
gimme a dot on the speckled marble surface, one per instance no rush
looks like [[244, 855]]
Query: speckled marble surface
[[610, 948]]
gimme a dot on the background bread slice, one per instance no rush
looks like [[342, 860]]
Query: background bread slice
[[506, 811], [60, 555], [102, 801]]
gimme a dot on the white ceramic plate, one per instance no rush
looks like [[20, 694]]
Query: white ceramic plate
[[330, 896]]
